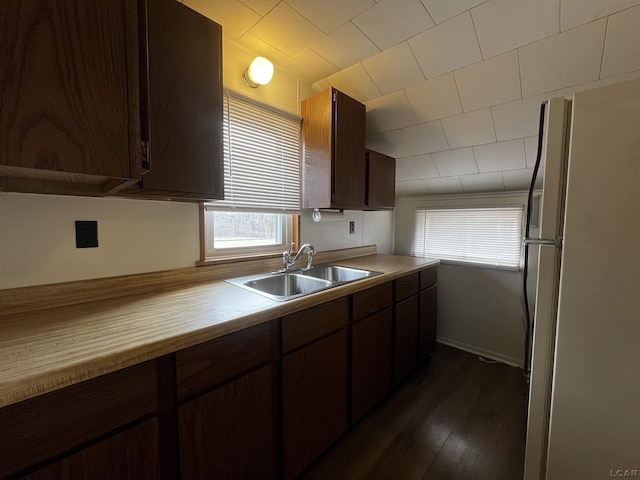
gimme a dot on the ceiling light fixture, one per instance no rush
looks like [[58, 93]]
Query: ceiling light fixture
[[258, 73]]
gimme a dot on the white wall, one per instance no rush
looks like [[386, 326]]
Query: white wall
[[37, 238], [479, 309], [332, 232]]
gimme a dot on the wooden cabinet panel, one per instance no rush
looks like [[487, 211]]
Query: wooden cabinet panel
[[406, 338], [314, 396], [372, 347], [185, 101], [317, 133], [333, 130], [349, 152], [41, 427], [228, 433], [371, 300], [428, 320], [303, 327], [381, 181], [69, 111], [428, 277], [206, 365], [129, 455], [407, 286]]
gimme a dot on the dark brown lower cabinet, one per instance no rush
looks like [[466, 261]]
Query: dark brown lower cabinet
[[314, 396], [222, 409], [427, 327], [372, 350], [228, 432], [128, 455], [406, 338]]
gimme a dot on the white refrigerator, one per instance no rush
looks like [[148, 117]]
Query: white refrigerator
[[584, 398]]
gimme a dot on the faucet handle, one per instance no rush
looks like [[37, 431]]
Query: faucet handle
[[290, 250], [286, 256]]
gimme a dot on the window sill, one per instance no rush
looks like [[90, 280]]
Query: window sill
[[236, 259]]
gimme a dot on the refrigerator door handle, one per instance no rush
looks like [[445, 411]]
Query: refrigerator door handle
[[556, 242]]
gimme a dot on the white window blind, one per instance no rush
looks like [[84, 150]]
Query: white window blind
[[485, 236], [262, 150]]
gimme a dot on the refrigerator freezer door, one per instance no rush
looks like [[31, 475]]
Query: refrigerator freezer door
[[594, 429], [547, 289]]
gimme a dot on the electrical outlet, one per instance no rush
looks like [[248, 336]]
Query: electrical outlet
[[86, 234], [352, 227]]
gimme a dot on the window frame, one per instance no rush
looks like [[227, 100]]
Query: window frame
[[288, 209], [289, 234]]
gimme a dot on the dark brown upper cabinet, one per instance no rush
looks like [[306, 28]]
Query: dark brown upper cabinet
[[381, 181], [80, 112], [333, 174], [182, 103], [69, 96]]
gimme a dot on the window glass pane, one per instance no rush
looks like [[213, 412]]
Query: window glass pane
[[484, 236], [243, 229]]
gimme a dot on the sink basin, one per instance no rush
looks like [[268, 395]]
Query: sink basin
[[287, 286], [335, 273], [281, 286]]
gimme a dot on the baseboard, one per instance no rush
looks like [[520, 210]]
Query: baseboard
[[511, 361]]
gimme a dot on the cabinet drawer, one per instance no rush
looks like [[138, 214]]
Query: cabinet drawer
[[128, 455], [372, 300], [203, 366], [44, 426], [303, 327], [428, 277], [407, 286]]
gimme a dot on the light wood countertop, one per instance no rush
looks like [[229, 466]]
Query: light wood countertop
[[49, 348]]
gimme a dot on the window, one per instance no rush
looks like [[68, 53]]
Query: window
[[233, 234], [480, 236], [262, 149]]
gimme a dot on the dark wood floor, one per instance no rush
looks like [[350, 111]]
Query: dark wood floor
[[456, 418]]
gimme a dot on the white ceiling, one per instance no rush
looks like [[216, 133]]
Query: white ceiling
[[452, 87]]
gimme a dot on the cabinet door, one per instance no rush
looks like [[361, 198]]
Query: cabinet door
[[317, 136], [228, 432], [129, 455], [428, 314], [185, 102], [406, 338], [348, 163], [381, 181], [372, 341], [69, 92], [314, 396]]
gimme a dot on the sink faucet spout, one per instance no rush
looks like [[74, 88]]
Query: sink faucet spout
[[288, 262]]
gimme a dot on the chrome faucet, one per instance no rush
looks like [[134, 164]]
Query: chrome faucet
[[288, 262]]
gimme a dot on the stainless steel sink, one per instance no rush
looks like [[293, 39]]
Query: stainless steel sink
[[334, 273], [295, 284], [287, 285]]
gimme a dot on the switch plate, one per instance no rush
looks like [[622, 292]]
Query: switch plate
[[86, 234], [352, 227]]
